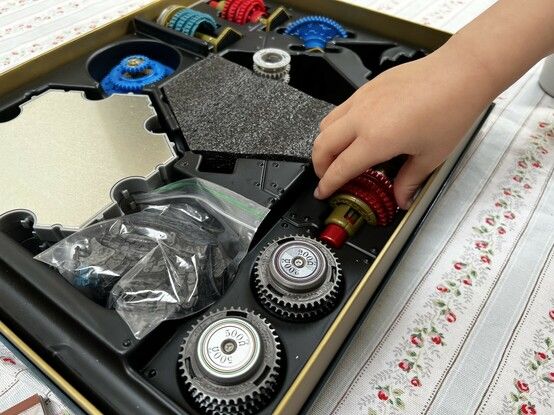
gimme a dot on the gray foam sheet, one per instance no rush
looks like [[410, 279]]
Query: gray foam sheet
[[223, 107]]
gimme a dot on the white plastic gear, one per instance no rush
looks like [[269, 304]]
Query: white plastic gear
[[297, 305], [247, 397], [277, 68], [277, 76]]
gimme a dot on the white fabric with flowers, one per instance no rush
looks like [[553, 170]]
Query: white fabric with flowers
[[465, 324]]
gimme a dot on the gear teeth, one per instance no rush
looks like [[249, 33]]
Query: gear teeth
[[125, 78], [283, 77], [142, 64], [272, 63], [211, 397], [376, 190], [316, 31], [189, 21], [297, 306], [243, 11]]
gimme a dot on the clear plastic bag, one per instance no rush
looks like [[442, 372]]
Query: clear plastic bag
[[173, 258]]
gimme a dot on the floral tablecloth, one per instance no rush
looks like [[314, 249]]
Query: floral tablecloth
[[27, 29], [466, 322]]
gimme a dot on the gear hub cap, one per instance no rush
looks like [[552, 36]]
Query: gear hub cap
[[230, 362], [297, 278]]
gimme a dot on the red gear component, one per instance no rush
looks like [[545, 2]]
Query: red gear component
[[376, 190], [250, 10], [242, 11], [373, 189]]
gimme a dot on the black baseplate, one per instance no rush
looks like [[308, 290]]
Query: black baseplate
[[89, 344]]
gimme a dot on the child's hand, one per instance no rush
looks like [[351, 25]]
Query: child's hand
[[421, 109]]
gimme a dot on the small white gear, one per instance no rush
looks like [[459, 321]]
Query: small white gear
[[230, 362], [297, 278], [272, 63]]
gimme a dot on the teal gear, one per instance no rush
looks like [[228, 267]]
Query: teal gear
[[188, 22]]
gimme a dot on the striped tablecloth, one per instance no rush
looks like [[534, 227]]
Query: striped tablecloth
[[465, 325], [466, 322]]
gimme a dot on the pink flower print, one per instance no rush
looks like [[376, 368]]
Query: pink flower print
[[443, 289], [526, 186], [549, 377], [436, 339], [450, 317], [541, 357], [405, 366], [522, 164], [467, 281], [522, 386], [485, 259], [8, 360], [490, 221], [415, 382], [382, 395], [459, 265], [528, 409], [551, 314], [536, 164], [416, 341], [517, 178], [481, 244], [501, 230], [509, 215]]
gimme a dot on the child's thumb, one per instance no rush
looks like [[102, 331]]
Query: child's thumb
[[414, 172]]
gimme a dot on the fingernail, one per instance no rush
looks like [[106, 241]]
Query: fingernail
[[317, 193]]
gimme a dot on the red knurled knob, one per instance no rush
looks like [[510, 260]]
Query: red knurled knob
[[334, 235], [243, 11]]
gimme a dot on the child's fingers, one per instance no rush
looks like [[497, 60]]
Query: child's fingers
[[331, 142], [350, 163], [334, 115], [414, 172]]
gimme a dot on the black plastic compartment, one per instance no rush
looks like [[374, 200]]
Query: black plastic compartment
[[101, 62], [91, 346]]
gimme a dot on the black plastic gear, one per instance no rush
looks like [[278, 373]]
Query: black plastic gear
[[298, 278], [230, 362]]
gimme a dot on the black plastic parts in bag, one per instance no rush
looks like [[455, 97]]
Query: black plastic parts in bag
[[173, 258]]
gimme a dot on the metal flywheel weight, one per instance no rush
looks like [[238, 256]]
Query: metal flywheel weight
[[366, 198]]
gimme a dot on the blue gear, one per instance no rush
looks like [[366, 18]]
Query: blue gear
[[188, 21], [127, 77], [315, 31], [135, 64]]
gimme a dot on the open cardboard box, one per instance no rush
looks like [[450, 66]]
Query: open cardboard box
[[24, 317]]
